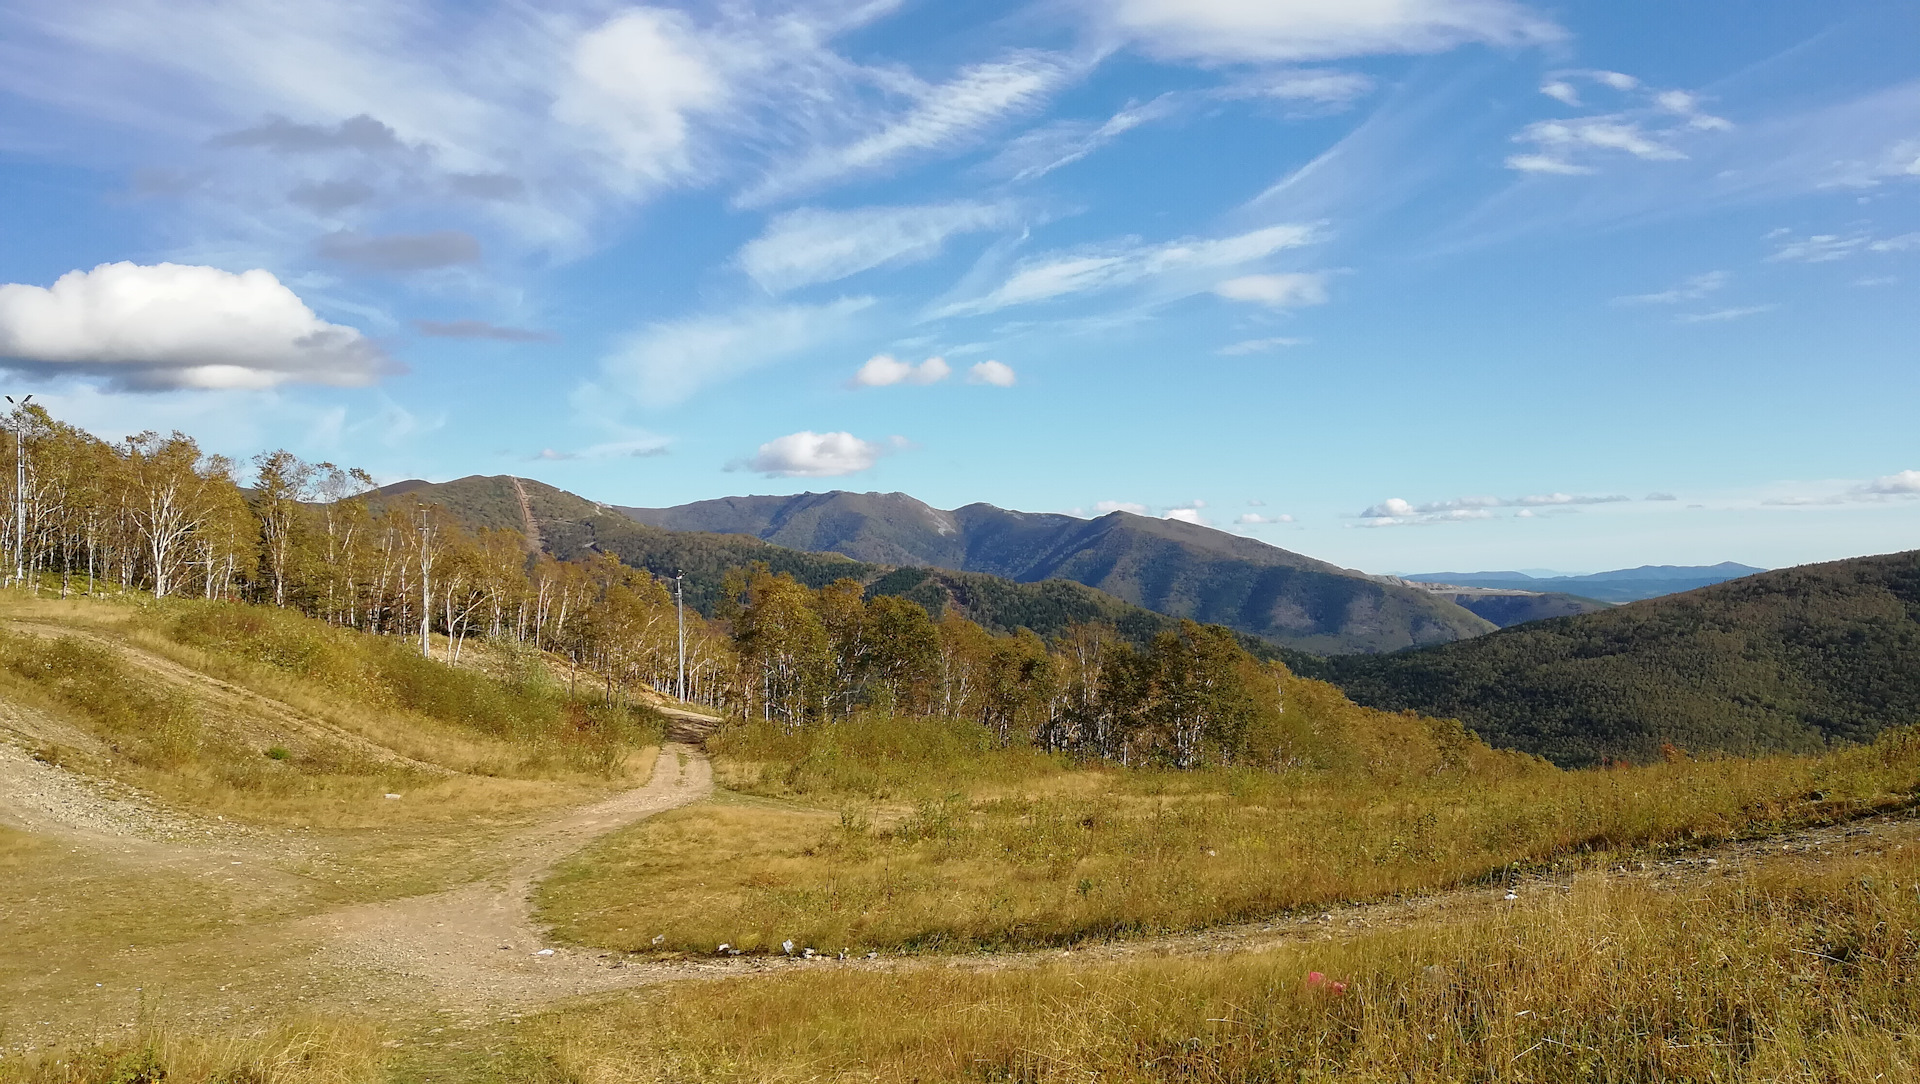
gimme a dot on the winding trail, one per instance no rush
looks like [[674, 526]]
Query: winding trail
[[477, 949], [479, 942]]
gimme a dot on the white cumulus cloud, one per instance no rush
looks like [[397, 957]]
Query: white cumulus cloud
[[811, 245], [1104, 507], [996, 373], [1283, 291], [1905, 483], [165, 326], [1186, 515], [1255, 519], [635, 81], [883, 370], [807, 454]]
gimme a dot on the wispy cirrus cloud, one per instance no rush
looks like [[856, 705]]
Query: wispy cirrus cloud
[[666, 362], [812, 245], [1036, 153], [1258, 346], [1397, 512], [643, 447], [1093, 270], [1651, 127], [1690, 289], [1829, 247], [481, 329], [1229, 31], [1721, 316], [1289, 290], [942, 118]]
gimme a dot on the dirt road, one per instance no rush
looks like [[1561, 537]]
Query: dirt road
[[475, 950], [478, 943]]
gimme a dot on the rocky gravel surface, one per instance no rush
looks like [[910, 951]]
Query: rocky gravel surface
[[40, 797]]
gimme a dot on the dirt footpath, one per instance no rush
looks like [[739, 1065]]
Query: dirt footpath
[[476, 950], [477, 944]]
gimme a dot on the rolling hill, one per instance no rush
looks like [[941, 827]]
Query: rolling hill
[[1173, 568], [1792, 660]]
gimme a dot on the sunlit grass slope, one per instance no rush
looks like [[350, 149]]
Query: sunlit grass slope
[[902, 834], [264, 714], [1792, 973]]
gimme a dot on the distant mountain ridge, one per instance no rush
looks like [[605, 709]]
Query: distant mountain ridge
[[1791, 660], [1174, 568], [1619, 585]]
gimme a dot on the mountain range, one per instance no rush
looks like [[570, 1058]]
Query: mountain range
[[1041, 570], [1792, 660], [1183, 570]]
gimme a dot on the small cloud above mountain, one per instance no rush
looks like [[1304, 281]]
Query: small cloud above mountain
[[807, 454], [994, 373], [884, 370]]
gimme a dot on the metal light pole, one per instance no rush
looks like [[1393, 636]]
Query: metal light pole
[[426, 599], [19, 491], [680, 615]]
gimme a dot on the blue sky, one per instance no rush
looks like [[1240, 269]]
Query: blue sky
[[1403, 284]]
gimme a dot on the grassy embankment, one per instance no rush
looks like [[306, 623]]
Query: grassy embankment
[[274, 718], [919, 836], [274, 737]]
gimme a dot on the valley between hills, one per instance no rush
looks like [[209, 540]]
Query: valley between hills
[[410, 784]]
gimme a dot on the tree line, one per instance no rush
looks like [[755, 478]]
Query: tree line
[[155, 513]]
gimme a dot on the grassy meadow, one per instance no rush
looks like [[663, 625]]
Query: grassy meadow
[[1785, 971], [919, 836], [1792, 972], [269, 717]]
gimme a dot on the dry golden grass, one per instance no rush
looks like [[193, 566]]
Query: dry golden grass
[[235, 724], [301, 1052], [65, 909], [1058, 854], [1792, 973]]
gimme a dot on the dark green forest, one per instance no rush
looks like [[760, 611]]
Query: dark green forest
[[1793, 660]]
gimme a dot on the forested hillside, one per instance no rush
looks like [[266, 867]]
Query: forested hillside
[[1174, 568], [572, 528], [1791, 660]]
